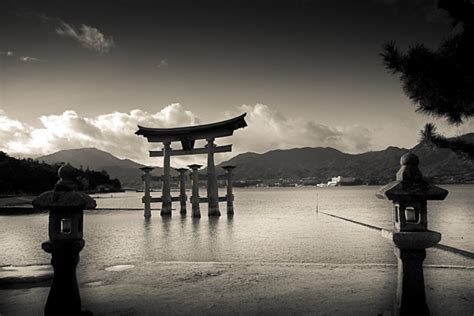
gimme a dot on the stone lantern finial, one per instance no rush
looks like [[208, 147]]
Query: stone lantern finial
[[410, 184], [65, 193], [67, 180], [409, 171]]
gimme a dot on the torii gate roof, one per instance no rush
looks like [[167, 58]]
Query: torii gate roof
[[190, 133]]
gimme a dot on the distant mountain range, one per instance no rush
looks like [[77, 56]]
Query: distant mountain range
[[375, 167], [320, 164], [126, 170]]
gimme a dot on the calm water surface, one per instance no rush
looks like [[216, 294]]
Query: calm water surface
[[270, 225]]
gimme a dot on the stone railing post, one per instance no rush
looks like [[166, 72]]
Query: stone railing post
[[410, 235], [66, 206], [196, 211], [182, 189], [230, 195], [146, 191]]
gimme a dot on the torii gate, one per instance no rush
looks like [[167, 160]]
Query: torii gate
[[187, 136]]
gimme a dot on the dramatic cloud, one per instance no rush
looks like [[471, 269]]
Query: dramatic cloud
[[88, 36], [114, 133], [268, 129]]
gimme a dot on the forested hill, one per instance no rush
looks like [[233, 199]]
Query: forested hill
[[126, 170], [29, 176], [376, 167]]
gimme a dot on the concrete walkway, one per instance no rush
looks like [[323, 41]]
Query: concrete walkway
[[200, 288]]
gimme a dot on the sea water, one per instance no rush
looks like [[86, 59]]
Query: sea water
[[275, 225]]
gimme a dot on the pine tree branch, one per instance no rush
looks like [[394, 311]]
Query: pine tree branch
[[458, 145]]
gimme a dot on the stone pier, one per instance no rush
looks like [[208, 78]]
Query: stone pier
[[147, 191], [182, 190], [196, 211], [229, 195]]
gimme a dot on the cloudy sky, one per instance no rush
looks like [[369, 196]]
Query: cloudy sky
[[308, 73]]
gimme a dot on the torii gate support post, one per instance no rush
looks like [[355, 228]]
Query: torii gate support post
[[229, 196], [410, 235], [166, 190], [146, 191], [182, 190], [212, 189], [196, 212]]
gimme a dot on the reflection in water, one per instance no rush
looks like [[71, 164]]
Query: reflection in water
[[166, 222], [147, 232], [183, 224], [196, 236], [147, 222], [196, 221], [229, 228], [213, 228], [213, 241], [163, 239]]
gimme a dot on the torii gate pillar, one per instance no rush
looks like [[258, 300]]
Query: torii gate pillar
[[212, 189], [146, 190], [182, 190], [196, 212], [230, 195], [166, 195]]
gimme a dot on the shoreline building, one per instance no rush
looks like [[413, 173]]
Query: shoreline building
[[339, 181]]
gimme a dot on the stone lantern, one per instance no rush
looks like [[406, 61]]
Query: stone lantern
[[66, 206], [409, 195]]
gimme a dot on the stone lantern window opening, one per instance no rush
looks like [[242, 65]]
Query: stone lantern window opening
[[410, 216], [65, 226]]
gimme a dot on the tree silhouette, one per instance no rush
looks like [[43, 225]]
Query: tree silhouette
[[29, 176], [441, 82]]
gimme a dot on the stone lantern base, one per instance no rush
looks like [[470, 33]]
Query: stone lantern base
[[413, 240], [64, 297]]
